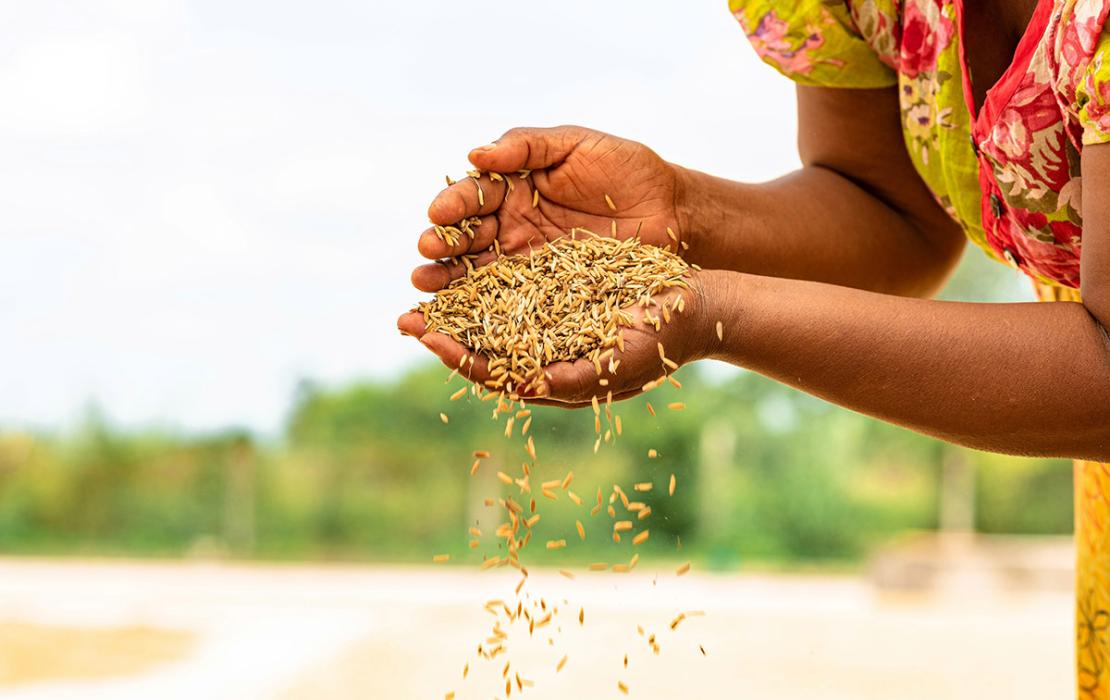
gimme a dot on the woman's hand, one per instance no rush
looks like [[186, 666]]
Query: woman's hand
[[689, 335], [572, 171]]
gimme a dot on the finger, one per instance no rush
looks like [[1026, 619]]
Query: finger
[[528, 148], [432, 246], [471, 365], [572, 382], [462, 200], [411, 323], [435, 276]]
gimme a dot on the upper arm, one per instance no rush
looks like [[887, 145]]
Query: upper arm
[[858, 134], [1095, 260]]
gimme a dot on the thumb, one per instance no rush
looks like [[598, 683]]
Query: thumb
[[528, 148]]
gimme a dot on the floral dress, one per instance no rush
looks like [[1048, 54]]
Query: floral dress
[[1007, 170]]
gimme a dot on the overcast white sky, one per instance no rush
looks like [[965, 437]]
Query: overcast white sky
[[202, 201]]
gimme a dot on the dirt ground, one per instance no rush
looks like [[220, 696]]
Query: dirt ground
[[370, 632]]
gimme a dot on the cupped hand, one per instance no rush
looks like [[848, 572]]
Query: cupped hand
[[550, 181], [688, 336]]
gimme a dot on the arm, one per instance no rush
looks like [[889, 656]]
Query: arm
[[856, 214], [1030, 379]]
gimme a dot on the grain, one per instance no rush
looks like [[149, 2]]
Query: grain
[[650, 409], [481, 454], [642, 486], [581, 529], [441, 558], [443, 418], [641, 537], [645, 512], [682, 569], [566, 574], [598, 566], [720, 331], [535, 198], [676, 406], [566, 480], [459, 394], [622, 526], [561, 664], [609, 202], [653, 453], [670, 488], [565, 301], [622, 687], [556, 544]]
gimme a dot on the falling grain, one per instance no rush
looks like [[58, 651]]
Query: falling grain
[[561, 664], [443, 418], [441, 558], [670, 489], [676, 406], [581, 529], [683, 569], [720, 331], [609, 201], [459, 394], [641, 537]]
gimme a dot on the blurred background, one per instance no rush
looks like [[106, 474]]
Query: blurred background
[[222, 471]]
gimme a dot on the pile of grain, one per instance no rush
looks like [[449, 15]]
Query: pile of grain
[[565, 301]]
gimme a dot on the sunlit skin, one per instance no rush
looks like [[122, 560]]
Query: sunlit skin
[[821, 278]]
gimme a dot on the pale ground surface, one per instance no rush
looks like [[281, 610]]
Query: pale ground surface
[[371, 632]]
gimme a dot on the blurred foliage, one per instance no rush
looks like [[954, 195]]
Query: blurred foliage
[[368, 471]]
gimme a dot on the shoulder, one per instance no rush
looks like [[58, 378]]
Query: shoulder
[[824, 42]]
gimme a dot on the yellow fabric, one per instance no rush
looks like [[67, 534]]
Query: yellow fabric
[[1093, 94], [812, 42]]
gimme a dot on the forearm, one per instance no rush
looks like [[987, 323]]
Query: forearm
[[1018, 378], [813, 224]]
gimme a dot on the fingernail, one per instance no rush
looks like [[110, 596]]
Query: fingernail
[[487, 147]]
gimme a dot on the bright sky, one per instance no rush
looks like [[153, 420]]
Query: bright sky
[[203, 201]]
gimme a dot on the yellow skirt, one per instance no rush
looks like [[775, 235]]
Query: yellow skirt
[[1092, 565]]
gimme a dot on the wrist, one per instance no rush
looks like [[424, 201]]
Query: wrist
[[685, 188], [716, 299]]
